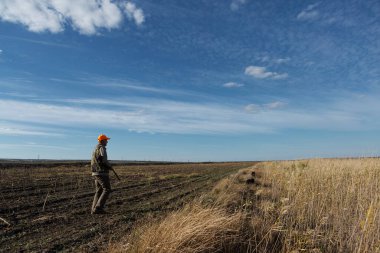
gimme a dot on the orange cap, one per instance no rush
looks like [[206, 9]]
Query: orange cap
[[103, 137]]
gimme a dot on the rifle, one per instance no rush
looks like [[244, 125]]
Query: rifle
[[117, 176]]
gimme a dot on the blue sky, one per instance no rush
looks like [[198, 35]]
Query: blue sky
[[202, 80]]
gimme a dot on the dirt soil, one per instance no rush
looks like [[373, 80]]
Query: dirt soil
[[48, 207]]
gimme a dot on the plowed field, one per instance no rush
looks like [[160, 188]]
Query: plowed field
[[48, 206]]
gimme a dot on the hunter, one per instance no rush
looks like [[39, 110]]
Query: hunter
[[100, 171]]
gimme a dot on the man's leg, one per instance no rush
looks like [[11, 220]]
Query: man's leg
[[98, 192], [104, 182]]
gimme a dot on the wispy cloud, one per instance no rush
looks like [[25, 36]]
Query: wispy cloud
[[41, 42], [17, 94], [310, 13], [18, 86], [252, 108], [134, 13], [275, 105], [126, 85], [144, 89], [167, 116], [31, 145], [262, 73], [233, 85], [235, 4], [256, 108], [141, 116], [282, 60], [85, 16], [271, 60], [17, 130]]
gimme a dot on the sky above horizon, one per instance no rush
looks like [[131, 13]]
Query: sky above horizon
[[202, 80]]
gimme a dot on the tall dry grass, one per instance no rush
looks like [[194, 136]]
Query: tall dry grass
[[318, 205], [192, 229], [205, 225], [326, 205]]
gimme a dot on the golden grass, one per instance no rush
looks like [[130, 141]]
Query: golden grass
[[192, 229], [326, 205], [318, 205], [204, 225]]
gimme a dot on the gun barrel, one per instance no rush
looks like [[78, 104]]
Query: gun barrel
[[117, 176]]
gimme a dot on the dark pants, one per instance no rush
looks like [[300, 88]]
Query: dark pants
[[102, 191]]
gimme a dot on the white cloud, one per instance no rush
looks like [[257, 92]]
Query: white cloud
[[141, 115], [235, 4], [233, 85], [37, 15], [134, 13], [15, 130], [168, 116], [267, 59], [88, 16], [1, 51], [31, 145], [85, 16], [252, 108], [275, 105], [277, 76], [264, 58], [309, 13], [282, 60], [138, 87], [257, 72], [262, 73]]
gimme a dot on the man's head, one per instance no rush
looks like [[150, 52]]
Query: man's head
[[103, 139]]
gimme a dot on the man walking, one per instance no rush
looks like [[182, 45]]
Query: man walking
[[100, 171]]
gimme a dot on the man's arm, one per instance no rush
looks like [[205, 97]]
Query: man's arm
[[104, 159]]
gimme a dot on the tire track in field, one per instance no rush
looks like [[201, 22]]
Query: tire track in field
[[49, 183]]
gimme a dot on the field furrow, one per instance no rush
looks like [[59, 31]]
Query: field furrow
[[55, 215]]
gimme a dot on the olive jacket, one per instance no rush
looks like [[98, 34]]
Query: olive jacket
[[99, 161]]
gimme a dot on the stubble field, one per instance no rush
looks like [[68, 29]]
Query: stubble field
[[46, 207]]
